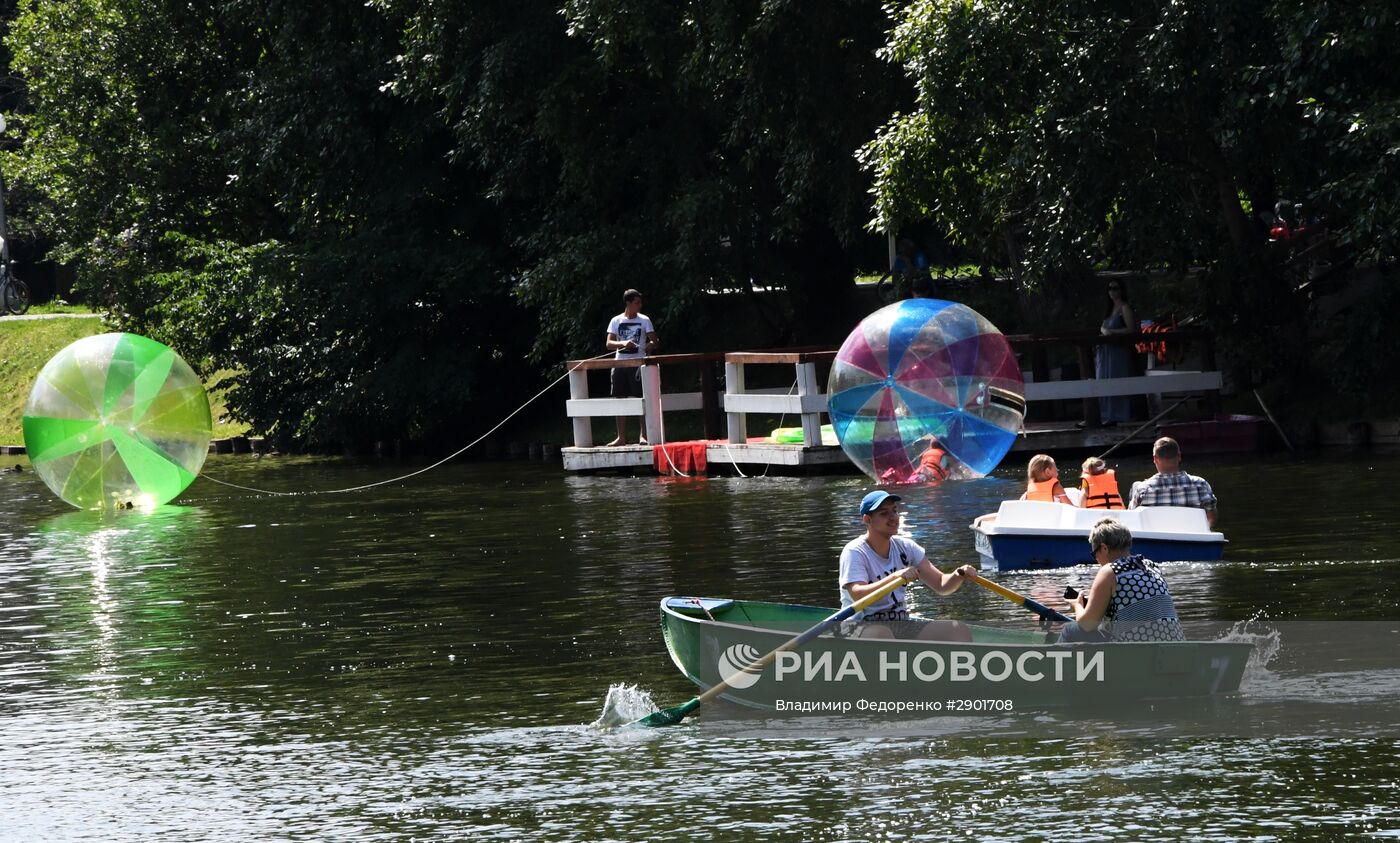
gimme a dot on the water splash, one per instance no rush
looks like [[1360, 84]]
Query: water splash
[[624, 704], [1266, 640]]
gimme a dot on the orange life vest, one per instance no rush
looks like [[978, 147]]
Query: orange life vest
[[1041, 490], [1101, 491], [931, 461], [1160, 348]]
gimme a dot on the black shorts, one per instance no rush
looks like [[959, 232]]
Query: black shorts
[[627, 383], [910, 629]]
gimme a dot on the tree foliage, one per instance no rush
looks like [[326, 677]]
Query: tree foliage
[[1333, 63], [238, 181], [363, 214], [1136, 136], [677, 148], [371, 216]]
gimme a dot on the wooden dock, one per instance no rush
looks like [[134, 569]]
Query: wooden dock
[[723, 458], [726, 458], [734, 451]]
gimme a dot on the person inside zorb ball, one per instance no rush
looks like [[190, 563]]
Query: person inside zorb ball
[[923, 390], [117, 421]]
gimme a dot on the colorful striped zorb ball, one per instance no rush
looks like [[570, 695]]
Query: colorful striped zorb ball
[[923, 371], [116, 420]]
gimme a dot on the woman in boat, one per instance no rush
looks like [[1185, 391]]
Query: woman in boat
[[1100, 486], [879, 557], [1129, 600], [1043, 481]]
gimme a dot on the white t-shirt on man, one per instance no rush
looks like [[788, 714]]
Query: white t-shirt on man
[[634, 328], [860, 563]]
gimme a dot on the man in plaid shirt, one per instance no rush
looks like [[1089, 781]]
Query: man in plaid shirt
[[1171, 486]]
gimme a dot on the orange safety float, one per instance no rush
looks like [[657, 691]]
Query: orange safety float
[[1161, 348]]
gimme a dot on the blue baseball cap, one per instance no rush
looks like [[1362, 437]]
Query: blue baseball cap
[[872, 501]]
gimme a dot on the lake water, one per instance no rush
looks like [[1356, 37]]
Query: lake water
[[421, 662]]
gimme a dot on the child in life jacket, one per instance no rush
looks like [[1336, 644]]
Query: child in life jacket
[[933, 463], [1043, 481], [1100, 485]]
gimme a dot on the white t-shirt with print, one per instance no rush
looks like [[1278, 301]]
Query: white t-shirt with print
[[860, 563], [634, 328]]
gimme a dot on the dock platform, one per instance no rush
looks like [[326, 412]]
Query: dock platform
[[723, 458], [725, 404], [726, 458]]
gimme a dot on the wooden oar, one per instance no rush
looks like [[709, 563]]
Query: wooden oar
[[674, 715], [1044, 611]]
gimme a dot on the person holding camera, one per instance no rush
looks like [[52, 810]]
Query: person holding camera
[[1129, 599]]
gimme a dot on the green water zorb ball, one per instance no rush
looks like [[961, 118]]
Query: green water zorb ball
[[117, 419]]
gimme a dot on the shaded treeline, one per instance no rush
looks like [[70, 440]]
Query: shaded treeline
[[374, 214]]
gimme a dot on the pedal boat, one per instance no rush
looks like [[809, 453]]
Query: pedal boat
[[1034, 534]]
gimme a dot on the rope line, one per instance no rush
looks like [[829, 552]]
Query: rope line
[[734, 463], [674, 470], [781, 419], [450, 456]]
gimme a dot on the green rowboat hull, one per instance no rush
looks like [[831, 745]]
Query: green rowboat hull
[[1000, 670]]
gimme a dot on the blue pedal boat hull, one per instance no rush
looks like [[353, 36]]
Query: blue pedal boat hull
[[1025, 535], [1029, 552]]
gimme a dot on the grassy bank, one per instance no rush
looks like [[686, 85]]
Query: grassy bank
[[27, 344]]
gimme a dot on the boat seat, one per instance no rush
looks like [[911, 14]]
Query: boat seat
[[698, 605], [1174, 519], [1031, 513], [1084, 520]]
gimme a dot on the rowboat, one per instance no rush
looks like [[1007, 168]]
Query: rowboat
[[1036, 534], [999, 670]]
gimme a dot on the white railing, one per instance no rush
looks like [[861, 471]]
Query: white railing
[[806, 399], [652, 406]]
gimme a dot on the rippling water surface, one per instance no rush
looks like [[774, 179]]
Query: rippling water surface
[[421, 661]]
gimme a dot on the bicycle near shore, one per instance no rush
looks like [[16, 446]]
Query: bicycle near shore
[[14, 293]]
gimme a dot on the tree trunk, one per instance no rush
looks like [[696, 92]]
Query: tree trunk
[[1208, 155]]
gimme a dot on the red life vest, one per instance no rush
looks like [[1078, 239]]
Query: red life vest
[[1041, 490], [1101, 491], [1160, 348], [931, 463]]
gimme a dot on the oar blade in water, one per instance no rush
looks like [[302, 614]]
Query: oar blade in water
[[670, 716]]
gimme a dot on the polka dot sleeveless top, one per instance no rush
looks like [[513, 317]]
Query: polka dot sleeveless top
[[1141, 608]]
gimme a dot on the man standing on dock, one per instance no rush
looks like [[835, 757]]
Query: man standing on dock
[[1171, 486], [632, 336]]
